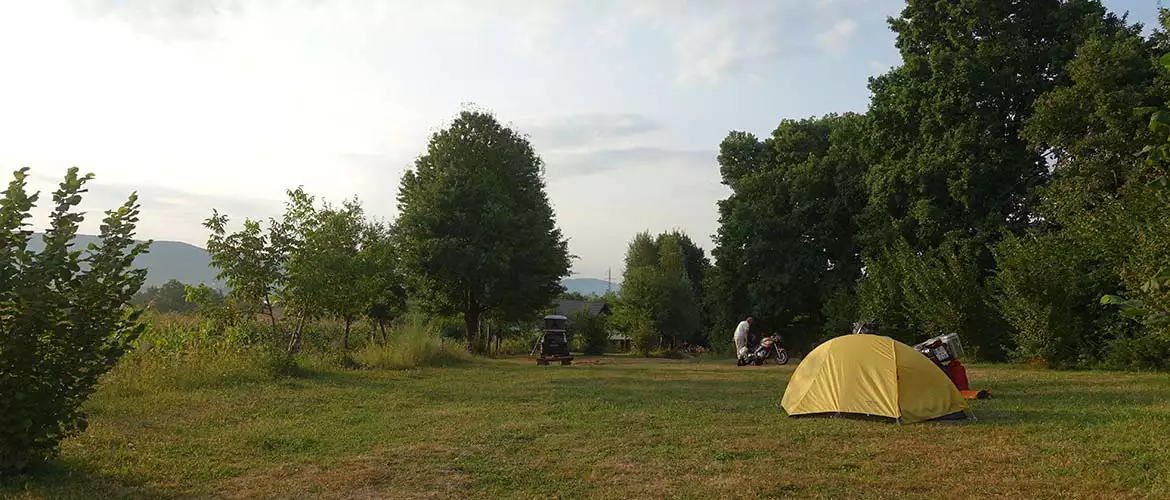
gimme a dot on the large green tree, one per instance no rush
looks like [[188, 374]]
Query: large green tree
[[1050, 280], [786, 244], [951, 173], [476, 231], [382, 278]]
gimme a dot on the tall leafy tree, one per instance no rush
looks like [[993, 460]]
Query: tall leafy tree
[[249, 261], [254, 262], [678, 316], [1050, 280], [659, 297], [476, 232], [951, 172], [787, 238], [950, 161]]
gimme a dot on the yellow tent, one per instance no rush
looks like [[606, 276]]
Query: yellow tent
[[871, 375]]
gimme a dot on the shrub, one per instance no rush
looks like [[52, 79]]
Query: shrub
[[64, 315], [589, 332], [913, 295], [1142, 352], [643, 336], [515, 346], [1048, 288]]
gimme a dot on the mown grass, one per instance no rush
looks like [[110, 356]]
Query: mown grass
[[602, 428]]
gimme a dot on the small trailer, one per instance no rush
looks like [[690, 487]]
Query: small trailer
[[553, 344]]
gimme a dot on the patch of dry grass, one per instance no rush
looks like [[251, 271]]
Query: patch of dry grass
[[626, 428]]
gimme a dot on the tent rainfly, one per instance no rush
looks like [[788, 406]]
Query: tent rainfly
[[871, 375]]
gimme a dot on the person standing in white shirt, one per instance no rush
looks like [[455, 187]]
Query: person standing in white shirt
[[741, 338]]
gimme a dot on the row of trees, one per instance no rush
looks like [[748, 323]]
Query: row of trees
[[994, 188], [174, 296], [475, 236], [662, 291], [314, 262]]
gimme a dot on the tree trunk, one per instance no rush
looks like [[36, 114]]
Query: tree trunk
[[271, 313], [345, 339], [382, 328], [294, 342], [471, 320]]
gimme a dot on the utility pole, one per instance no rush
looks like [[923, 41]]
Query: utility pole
[[609, 279]]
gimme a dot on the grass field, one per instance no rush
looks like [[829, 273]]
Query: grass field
[[603, 428]]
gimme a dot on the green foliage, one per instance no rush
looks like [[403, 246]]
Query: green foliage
[[787, 235], [1047, 289], [326, 277], [251, 261], [64, 316], [661, 290], [951, 173], [168, 298], [914, 295], [476, 232], [383, 282], [574, 296], [644, 336], [315, 263], [591, 331], [949, 160], [1005, 119], [1149, 352]]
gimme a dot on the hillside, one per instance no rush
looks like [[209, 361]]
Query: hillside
[[589, 286], [166, 260], [190, 264]]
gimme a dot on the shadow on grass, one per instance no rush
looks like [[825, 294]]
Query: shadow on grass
[[65, 479]]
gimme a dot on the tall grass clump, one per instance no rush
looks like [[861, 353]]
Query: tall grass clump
[[412, 344]]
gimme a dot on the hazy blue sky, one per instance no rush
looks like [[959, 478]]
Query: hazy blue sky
[[217, 103]]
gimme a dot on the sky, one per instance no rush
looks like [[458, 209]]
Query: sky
[[225, 104]]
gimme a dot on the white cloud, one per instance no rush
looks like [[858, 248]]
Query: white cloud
[[837, 38], [587, 130], [226, 103]]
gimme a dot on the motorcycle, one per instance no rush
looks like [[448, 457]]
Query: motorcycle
[[769, 348]]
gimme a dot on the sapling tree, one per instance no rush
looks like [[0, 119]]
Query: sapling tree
[[65, 317]]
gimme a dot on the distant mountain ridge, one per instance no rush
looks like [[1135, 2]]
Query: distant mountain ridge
[[191, 265], [166, 260], [589, 286]]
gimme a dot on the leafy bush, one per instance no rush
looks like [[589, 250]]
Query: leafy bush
[[913, 295], [1142, 352], [643, 336], [412, 345], [590, 332], [64, 315], [1047, 289]]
